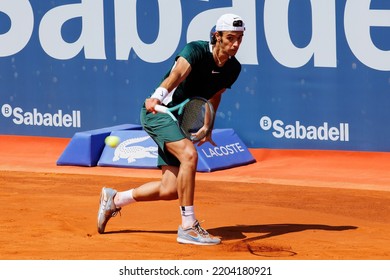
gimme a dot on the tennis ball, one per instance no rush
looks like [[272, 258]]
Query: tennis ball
[[112, 141]]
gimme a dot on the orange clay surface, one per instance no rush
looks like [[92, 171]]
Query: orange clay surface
[[289, 205]]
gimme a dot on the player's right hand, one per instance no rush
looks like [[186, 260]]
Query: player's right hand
[[150, 103]]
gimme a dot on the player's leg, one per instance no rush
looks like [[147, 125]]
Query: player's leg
[[187, 155], [166, 189], [190, 231], [176, 182], [112, 201]]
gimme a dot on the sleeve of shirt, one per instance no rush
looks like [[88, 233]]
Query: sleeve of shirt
[[192, 52]]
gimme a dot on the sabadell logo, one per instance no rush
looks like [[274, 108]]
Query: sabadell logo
[[324, 132], [36, 118]]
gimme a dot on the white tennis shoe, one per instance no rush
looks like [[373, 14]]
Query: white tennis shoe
[[196, 235], [107, 208]]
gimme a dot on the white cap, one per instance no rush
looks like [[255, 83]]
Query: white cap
[[230, 22]]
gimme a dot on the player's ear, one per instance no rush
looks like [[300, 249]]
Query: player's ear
[[219, 36]]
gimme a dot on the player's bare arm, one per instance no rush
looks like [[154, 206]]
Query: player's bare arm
[[215, 101], [177, 75]]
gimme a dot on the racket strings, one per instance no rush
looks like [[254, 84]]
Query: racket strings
[[193, 117]]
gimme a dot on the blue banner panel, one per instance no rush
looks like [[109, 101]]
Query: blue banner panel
[[85, 148], [136, 149], [315, 74], [229, 152]]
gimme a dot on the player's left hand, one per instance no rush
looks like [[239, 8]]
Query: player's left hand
[[207, 138]]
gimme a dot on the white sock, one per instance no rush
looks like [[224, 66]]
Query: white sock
[[124, 198], [187, 216]]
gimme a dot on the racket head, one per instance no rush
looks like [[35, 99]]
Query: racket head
[[197, 113]]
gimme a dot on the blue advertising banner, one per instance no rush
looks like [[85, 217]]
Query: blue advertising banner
[[315, 74], [137, 150]]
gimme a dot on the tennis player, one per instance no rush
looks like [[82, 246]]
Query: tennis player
[[203, 69]]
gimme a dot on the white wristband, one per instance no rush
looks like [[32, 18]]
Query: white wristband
[[160, 93]]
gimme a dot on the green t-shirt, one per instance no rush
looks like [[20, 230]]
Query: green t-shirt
[[205, 78]]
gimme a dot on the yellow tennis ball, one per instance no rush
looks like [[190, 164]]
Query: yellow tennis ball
[[112, 141]]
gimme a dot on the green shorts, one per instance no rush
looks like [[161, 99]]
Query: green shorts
[[162, 129]]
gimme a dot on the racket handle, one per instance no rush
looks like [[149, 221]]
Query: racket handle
[[160, 108]]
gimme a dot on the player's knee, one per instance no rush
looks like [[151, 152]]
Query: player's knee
[[190, 157]]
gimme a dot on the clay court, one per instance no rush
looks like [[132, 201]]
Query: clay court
[[289, 205]]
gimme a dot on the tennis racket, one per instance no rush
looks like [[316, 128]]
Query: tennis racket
[[195, 117]]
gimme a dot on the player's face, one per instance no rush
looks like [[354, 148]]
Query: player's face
[[231, 41]]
